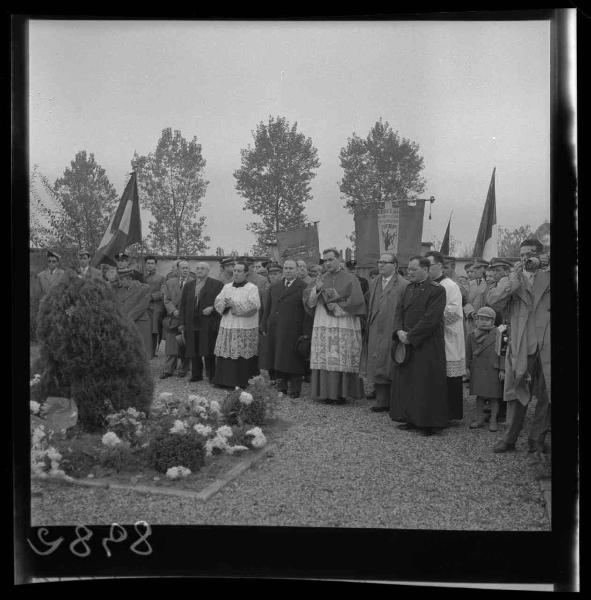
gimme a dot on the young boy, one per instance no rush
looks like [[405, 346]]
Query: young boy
[[485, 367]]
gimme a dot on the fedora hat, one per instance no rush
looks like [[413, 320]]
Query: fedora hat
[[400, 352], [180, 340]]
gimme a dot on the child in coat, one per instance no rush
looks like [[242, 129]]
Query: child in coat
[[485, 367]]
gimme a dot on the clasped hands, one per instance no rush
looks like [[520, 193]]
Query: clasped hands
[[402, 336]]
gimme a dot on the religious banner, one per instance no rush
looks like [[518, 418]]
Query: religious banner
[[396, 228], [301, 243]]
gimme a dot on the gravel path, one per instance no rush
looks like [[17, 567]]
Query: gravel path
[[340, 466]]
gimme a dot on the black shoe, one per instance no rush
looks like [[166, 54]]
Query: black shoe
[[371, 396], [165, 375], [379, 408], [503, 446], [196, 379], [181, 373], [340, 401], [405, 426], [427, 431]]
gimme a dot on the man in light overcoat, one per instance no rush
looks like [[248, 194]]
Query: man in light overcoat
[[385, 291], [524, 297]]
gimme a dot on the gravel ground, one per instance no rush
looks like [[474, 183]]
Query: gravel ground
[[340, 466]]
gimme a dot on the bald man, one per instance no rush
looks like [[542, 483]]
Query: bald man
[[200, 322]]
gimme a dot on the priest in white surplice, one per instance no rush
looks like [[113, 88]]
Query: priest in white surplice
[[455, 342]]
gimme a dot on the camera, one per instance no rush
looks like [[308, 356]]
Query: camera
[[532, 263]]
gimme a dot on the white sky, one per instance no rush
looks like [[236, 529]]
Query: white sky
[[472, 95]]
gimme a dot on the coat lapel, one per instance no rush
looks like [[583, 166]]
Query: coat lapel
[[541, 284]]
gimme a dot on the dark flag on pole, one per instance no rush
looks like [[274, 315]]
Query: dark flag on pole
[[125, 227], [445, 244], [486, 246]]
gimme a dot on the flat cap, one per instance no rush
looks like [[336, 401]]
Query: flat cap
[[227, 261], [84, 253], [486, 311], [274, 267], [52, 254]]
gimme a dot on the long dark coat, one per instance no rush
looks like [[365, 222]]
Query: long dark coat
[[194, 319], [283, 321], [419, 388], [134, 301], [482, 358], [156, 308]]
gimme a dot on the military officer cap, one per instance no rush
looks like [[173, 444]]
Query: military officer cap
[[265, 264], [247, 259], [82, 253], [533, 242], [500, 262], [480, 262], [227, 261], [486, 311], [122, 256], [274, 267], [51, 254], [468, 265]]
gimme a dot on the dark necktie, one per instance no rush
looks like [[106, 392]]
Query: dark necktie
[[182, 283]]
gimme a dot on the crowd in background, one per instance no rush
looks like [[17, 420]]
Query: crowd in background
[[409, 338]]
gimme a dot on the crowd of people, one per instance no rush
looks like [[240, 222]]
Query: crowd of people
[[408, 338]]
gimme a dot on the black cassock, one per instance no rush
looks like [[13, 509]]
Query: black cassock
[[419, 388]]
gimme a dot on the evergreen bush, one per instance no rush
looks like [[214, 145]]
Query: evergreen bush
[[89, 348], [168, 450]]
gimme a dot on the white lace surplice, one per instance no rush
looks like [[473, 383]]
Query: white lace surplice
[[336, 341], [455, 347], [238, 336]]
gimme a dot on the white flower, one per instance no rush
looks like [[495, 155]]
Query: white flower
[[214, 406], [172, 473], [36, 379], [38, 434], [203, 430], [34, 406], [132, 412], [255, 431], [219, 442], [110, 439], [178, 427], [259, 439], [53, 454], [177, 472], [225, 431], [246, 398]]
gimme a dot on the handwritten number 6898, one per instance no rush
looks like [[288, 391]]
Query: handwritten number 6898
[[79, 545]]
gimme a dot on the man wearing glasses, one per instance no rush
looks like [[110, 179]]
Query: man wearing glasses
[[385, 291]]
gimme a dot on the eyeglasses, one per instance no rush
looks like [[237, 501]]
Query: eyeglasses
[[386, 262]]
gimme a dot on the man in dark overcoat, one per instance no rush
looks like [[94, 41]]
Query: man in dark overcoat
[[172, 289], [156, 309], [200, 322], [419, 386], [282, 324], [134, 299]]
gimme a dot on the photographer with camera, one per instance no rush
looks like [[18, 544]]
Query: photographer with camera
[[524, 298]]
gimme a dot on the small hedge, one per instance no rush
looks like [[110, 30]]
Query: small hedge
[[168, 450], [91, 352]]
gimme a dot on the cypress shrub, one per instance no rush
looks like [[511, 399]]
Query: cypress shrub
[[91, 349]]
